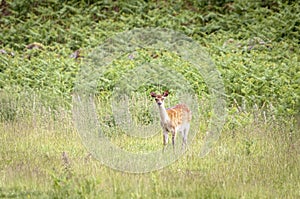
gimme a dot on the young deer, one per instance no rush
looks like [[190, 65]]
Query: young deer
[[173, 119]]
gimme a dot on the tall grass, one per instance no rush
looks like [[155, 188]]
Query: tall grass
[[254, 46], [42, 156]]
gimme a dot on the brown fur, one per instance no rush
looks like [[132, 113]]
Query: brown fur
[[178, 119], [179, 114]]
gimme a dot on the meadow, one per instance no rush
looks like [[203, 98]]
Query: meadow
[[253, 45]]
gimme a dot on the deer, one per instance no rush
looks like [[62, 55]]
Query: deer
[[174, 119]]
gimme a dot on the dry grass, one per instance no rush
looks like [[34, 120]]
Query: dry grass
[[43, 156]]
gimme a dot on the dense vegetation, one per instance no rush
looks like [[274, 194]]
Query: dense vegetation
[[254, 45]]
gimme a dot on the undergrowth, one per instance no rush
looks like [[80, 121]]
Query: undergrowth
[[254, 45]]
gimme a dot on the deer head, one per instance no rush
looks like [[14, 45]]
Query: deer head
[[159, 98]]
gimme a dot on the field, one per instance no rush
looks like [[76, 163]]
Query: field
[[254, 46]]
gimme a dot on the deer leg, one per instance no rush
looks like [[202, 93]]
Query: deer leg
[[183, 139], [173, 140], [165, 139], [184, 136]]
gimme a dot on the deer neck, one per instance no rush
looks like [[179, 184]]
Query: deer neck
[[163, 113]]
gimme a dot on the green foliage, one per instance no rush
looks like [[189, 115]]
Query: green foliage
[[255, 46], [113, 73], [8, 110], [45, 72], [258, 73]]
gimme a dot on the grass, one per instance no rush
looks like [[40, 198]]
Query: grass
[[254, 45], [43, 156]]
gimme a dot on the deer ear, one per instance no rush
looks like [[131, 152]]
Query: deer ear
[[153, 94], [166, 93]]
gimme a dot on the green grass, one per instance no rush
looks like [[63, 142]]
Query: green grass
[[253, 160], [255, 47]]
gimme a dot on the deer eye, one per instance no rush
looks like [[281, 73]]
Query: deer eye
[[156, 99]]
